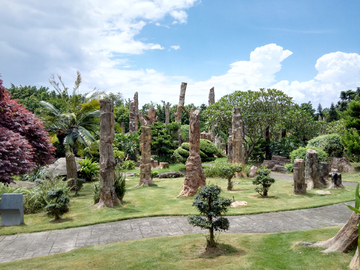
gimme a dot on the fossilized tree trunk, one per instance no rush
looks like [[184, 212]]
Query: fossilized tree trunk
[[237, 156], [179, 108], [345, 239], [149, 119], [107, 163], [311, 170], [71, 170], [132, 118], [167, 113], [145, 164], [336, 181], [195, 176], [324, 170], [136, 104], [122, 128], [299, 176], [211, 96]]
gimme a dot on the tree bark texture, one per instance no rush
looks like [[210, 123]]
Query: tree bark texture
[[132, 118], [311, 170], [122, 128], [107, 163], [299, 177], [237, 129], [71, 171], [195, 176], [136, 104], [167, 113], [145, 165], [336, 181], [149, 119], [354, 264]]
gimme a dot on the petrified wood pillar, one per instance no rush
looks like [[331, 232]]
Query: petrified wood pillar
[[136, 111], [167, 113], [311, 170], [324, 170], [195, 176], [299, 176], [145, 164], [107, 163], [211, 96], [122, 127], [149, 119], [230, 149], [179, 108], [237, 140], [132, 118], [336, 181]]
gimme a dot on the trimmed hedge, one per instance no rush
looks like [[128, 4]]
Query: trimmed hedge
[[207, 151], [301, 153], [330, 143]]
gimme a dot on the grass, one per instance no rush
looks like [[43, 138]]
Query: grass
[[160, 200], [236, 251], [353, 176]]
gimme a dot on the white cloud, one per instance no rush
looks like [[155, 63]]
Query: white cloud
[[175, 47], [337, 71]]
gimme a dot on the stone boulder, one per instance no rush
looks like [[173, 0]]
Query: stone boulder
[[253, 171], [170, 175], [276, 164], [342, 164]]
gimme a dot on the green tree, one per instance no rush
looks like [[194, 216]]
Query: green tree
[[333, 114], [261, 110], [163, 140], [76, 125], [307, 107], [212, 206]]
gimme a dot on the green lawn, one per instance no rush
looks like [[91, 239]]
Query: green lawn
[[353, 176], [160, 200], [238, 251]]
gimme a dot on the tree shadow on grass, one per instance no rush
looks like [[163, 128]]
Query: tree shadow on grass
[[221, 250], [61, 220]]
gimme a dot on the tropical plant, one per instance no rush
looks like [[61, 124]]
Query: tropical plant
[[128, 143], [212, 206], [24, 144], [75, 125], [264, 181], [89, 170]]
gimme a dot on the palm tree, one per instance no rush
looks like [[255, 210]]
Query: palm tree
[[75, 124]]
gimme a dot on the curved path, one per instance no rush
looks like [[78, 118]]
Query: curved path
[[21, 246]]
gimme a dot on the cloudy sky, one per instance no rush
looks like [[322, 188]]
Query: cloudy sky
[[310, 49]]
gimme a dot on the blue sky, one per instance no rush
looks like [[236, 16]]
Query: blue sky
[[308, 49]]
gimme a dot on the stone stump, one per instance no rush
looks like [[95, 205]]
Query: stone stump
[[154, 163], [145, 164], [311, 170], [149, 119], [107, 162], [336, 181], [132, 118], [195, 176], [299, 177], [324, 170], [164, 165]]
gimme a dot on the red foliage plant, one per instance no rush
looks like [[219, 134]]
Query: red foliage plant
[[24, 142]]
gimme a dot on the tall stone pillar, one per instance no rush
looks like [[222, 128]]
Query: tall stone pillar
[[107, 163], [136, 111], [145, 164], [311, 170], [195, 176], [167, 113], [299, 177], [132, 118], [324, 170], [211, 96], [237, 137], [179, 108]]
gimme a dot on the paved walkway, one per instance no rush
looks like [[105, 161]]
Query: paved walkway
[[21, 246]]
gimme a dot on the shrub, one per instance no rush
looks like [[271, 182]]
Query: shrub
[[207, 151], [330, 143], [301, 153], [57, 202], [351, 140], [128, 165], [211, 206], [289, 167], [228, 171], [154, 174], [213, 171], [89, 170], [264, 181]]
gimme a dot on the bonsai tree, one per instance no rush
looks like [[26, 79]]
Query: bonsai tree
[[211, 206], [264, 181], [57, 202], [228, 171]]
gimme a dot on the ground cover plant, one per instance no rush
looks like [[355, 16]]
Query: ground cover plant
[[240, 252], [159, 200]]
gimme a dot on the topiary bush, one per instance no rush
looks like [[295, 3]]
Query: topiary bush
[[264, 181], [57, 203], [330, 143], [207, 151], [211, 206], [301, 153], [228, 171]]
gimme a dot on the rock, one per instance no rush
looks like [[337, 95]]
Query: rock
[[59, 167], [253, 171], [336, 181], [276, 160], [238, 203], [170, 175], [164, 165], [299, 177], [279, 168], [342, 164], [324, 170], [323, 192], [311, 170], [154, 163], [130, 174]]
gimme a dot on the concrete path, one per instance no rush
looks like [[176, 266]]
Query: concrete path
[[21, 246]]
